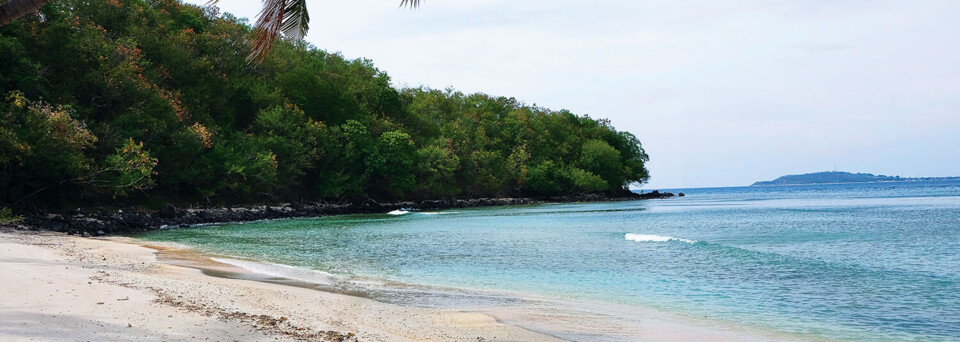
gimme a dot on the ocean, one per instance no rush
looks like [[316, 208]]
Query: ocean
[[869, 261]]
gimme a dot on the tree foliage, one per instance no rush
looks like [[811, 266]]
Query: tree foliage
[[135, 98]]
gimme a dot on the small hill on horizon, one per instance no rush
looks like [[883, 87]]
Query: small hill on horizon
[[830, 177], [827, 177]]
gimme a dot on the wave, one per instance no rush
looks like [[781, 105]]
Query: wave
[[404, 212], [654, 238], [285, 271]]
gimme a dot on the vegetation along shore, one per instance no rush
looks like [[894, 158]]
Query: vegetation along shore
[[134, 103]]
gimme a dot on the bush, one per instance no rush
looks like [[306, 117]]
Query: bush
[[7, 216]]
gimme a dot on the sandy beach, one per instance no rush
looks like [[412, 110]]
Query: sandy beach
[[63, 288], [56, 287]]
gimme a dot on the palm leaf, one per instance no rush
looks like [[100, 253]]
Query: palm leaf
[[289, 17], [268, 27], [296, 20]]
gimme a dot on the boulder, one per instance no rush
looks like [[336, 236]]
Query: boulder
[[168, 211]]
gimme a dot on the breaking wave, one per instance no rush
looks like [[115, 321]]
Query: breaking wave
[[404, 212], [654, 238]]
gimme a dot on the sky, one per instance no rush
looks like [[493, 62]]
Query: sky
[[720, 93]]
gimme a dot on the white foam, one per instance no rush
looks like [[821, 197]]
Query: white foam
[[654, 238], [398, 212], [284, 271]]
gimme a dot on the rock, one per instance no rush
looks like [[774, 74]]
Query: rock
[[168, 211], [681, 194], [132, 220]]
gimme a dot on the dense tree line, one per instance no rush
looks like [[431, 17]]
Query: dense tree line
[[154, 101]]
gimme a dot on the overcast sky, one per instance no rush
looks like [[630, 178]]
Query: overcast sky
[[720, 93]]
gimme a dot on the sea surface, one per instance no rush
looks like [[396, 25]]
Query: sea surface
[[871, 261]]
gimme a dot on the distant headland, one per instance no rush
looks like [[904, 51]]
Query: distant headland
[[843, 177]]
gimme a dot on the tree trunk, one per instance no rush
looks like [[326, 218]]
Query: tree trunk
[[13, 9]]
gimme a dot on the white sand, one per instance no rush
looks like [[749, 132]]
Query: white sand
[[63, 288]]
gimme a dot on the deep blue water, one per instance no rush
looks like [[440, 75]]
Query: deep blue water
[[845, 261]]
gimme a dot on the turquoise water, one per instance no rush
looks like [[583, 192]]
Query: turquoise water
[[847, 261]]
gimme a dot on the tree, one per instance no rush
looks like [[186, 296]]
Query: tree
[[129, 169], [303, 124], [583, 180], [437, 169], [603, 160], [396, 174], [42, 148], [292, 137]]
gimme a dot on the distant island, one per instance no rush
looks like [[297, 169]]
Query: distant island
[[843, 177]]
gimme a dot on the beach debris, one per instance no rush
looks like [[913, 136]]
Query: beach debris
[[124, 298], [99, 303]]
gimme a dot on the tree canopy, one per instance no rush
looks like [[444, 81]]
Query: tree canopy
[[153, 101]]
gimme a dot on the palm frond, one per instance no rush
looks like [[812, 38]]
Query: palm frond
[[289, 17], [296, 20], [267, 28]]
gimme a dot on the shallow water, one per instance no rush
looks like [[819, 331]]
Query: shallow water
[[847, 261]]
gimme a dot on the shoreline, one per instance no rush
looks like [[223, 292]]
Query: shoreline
[[181, 280], [98, 222], [110, 289]]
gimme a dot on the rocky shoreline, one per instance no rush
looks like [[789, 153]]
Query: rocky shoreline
[[123, 221]]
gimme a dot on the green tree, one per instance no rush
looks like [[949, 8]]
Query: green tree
[[45, 147], [397, 175], [42, 147], [129, 169], [292, 138], [301, 124], [602, 160], [545, 179], [585, 181], [437, 170]]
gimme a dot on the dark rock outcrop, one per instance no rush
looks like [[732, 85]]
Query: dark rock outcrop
[[99, 222]]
